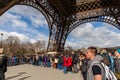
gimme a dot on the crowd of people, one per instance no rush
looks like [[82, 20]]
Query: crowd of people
[[74, 62]]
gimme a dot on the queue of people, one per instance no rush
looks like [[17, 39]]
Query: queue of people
[[72, 62], [67, 62]]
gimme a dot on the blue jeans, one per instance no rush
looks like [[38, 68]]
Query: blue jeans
[[60, 66], [14, 62], [48, 64], [64, 69], [112, 67], [39, 63], [31, 62]]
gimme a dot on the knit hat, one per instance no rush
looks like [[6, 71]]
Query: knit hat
[[118, 50]]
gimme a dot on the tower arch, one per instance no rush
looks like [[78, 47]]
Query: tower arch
[[63, 16]]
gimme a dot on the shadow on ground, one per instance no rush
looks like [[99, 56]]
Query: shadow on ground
[[24, 78], [19, 74]]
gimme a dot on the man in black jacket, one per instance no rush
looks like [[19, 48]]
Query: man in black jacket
[[75, 59], [3, 66]]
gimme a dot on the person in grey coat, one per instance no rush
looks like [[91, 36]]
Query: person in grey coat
[[95, 71]]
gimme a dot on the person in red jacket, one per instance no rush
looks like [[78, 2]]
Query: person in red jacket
[[69, 63], [65, 57], [65, 61]]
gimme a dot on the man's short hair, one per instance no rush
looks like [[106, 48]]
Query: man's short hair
[[93, 50]]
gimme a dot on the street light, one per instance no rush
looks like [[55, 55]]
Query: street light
[[1, 38]]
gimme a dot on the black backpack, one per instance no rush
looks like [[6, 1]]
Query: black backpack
[[75, 59], [84, 66], [109, 75]]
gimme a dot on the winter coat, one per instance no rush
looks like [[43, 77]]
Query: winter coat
[[65, 61], [69, 62]]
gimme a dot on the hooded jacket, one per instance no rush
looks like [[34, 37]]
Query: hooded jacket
[[90, 75]]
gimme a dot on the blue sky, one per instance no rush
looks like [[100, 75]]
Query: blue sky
[[30, 25]]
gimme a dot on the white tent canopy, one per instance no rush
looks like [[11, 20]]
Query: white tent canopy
[[52, 53]]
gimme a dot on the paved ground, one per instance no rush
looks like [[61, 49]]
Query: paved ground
[[30, 72]]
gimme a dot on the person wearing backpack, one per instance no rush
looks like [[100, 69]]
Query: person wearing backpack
[[3, 66], [97, 69]]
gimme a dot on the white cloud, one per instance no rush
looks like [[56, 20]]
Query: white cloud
[[21, 36], [12, 20], [7, 17], [32, 40], [87, 35], [18, 23], [24, 38], [42, 37], [24, 10], [84, 30], [37, 19]]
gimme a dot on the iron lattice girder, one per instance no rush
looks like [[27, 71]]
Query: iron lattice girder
[[61, 35], [93, 4], [4, 3], [52, 42], [109, 11], [67, 8], [65, 15], [84, 8], [107, 19], [59, 7]]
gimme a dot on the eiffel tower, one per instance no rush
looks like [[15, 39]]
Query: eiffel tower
[[63, 16]]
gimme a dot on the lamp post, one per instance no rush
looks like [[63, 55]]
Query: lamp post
[[1, 38]]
